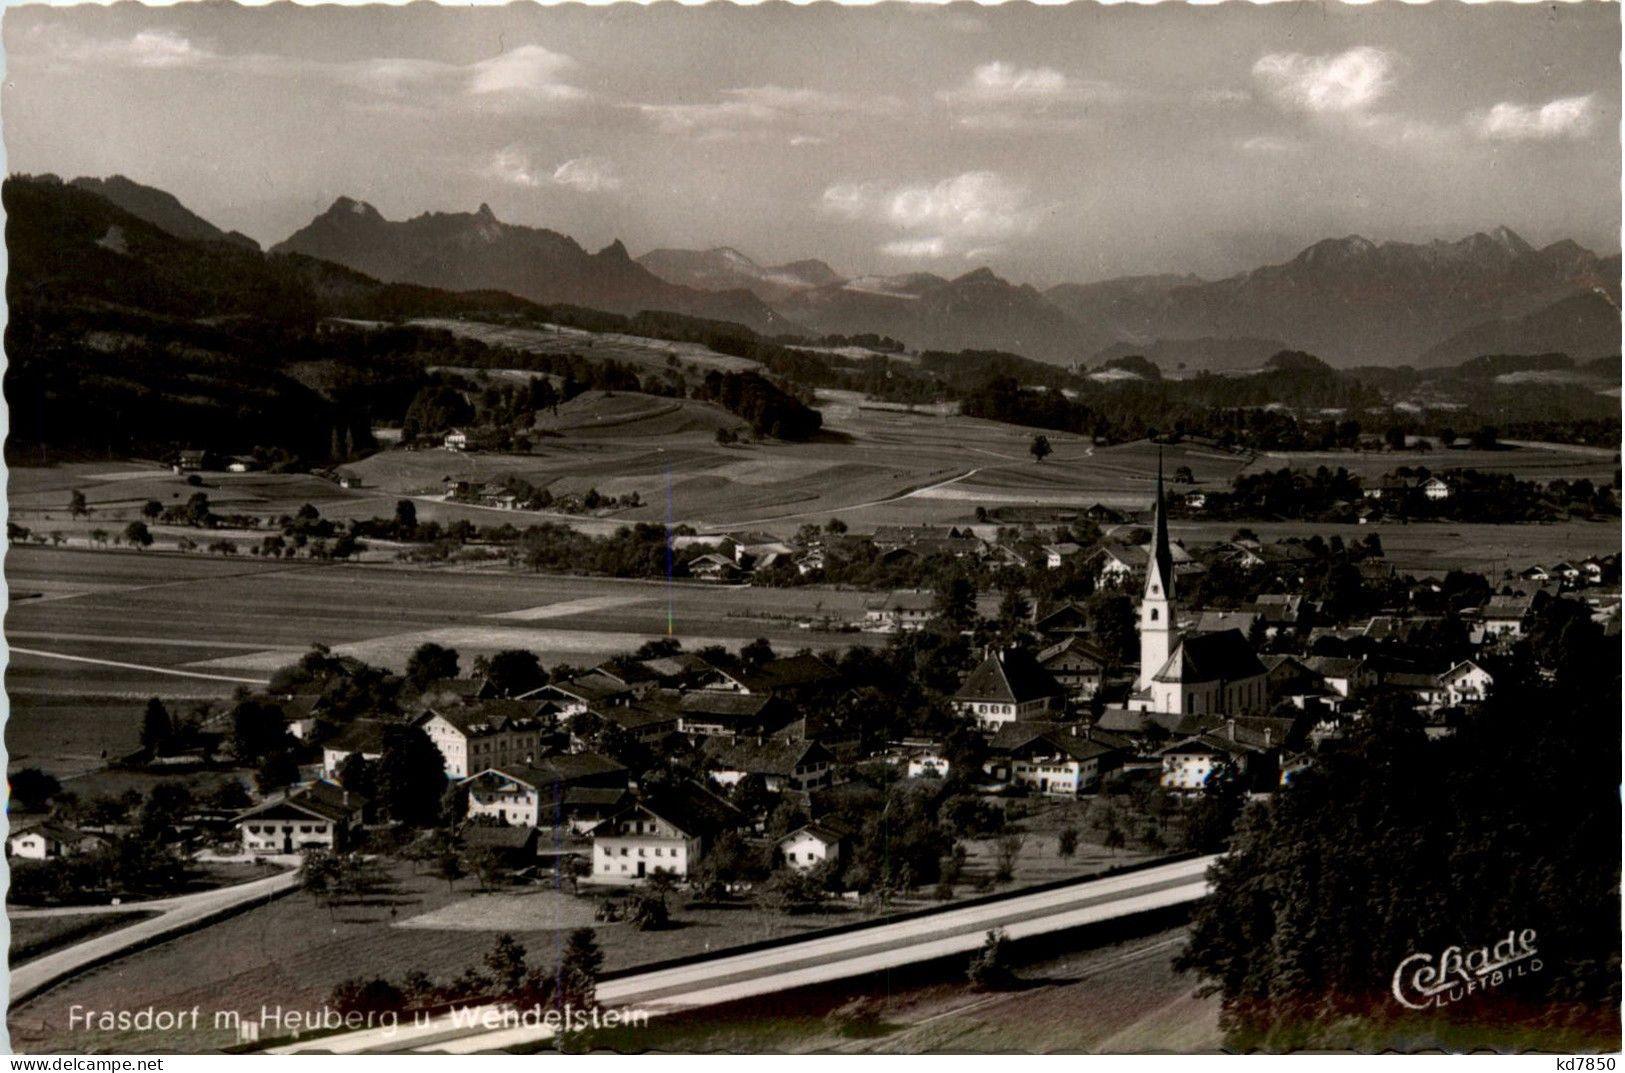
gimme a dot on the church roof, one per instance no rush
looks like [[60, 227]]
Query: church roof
[[1211, 657]]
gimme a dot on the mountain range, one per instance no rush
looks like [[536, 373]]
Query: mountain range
[[476, 251], [1349, 300]]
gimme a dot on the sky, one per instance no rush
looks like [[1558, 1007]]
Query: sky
[[1051, 144]]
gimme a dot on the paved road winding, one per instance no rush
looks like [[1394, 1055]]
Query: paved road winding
[[802, 963]]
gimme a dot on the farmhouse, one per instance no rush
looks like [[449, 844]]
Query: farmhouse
[[318, 816], [1190, 764], [1050, 758], [49, 841], [1006, 686], [1077, 665], [1504, 616], [1436, 489], [668, 831], [713, 567], [539, 794], [900, 611], [363, 738], [484, 735], [717, 714], [781, 766], [566, 699]]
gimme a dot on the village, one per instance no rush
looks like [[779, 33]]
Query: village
[[1131, 720]]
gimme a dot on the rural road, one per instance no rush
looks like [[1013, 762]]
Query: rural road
[[782, 967], [174, 915]]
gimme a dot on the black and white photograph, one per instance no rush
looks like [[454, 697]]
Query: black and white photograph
[[908, 529]]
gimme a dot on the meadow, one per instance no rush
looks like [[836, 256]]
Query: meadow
[[293, 950]]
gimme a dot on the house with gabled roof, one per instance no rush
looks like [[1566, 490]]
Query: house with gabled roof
[[564, 699], [538, 794], [1007, 686], [1191, 763], [1050, 758], [899, 612], [1064, 618], [362, 737], [51, 840], [1503, 617], [1465, 683], [716, 714], [669, 830], [1077, 665], [781, 766], [815, 844], [321, 815], [490, 733]]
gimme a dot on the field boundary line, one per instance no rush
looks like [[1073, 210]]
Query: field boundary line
[[139, 667]]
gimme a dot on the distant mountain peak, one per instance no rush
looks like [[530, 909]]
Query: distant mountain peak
[[980, 275], [161, 209], [615, 250], [485, 212], [349, 206]]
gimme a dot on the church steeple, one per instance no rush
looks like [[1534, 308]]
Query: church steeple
[[1160, 565], [1157, 637]]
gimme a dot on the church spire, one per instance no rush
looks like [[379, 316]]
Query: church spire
[[1161, 565]]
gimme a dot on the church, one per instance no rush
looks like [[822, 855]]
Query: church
[[1203, 674]]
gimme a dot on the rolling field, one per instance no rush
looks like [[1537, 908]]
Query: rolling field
[[644, 355]]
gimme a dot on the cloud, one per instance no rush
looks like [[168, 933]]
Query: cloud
[[944, 218], [516, 166], [588, 174], [1002, 96], [1330, 84], [153, 49], [525, 76], [1566, 117], [798, 116], [526, 71]]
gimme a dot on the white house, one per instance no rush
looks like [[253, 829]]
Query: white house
[[544, 794], [1435, 489], [1008, 685], [318, 816], [456, 440], [484, 735], [1056, 555], [928, 765], [49, 841], [1465, 683], [668, 831], [899, 611], [1050, 758], [814, 844]]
